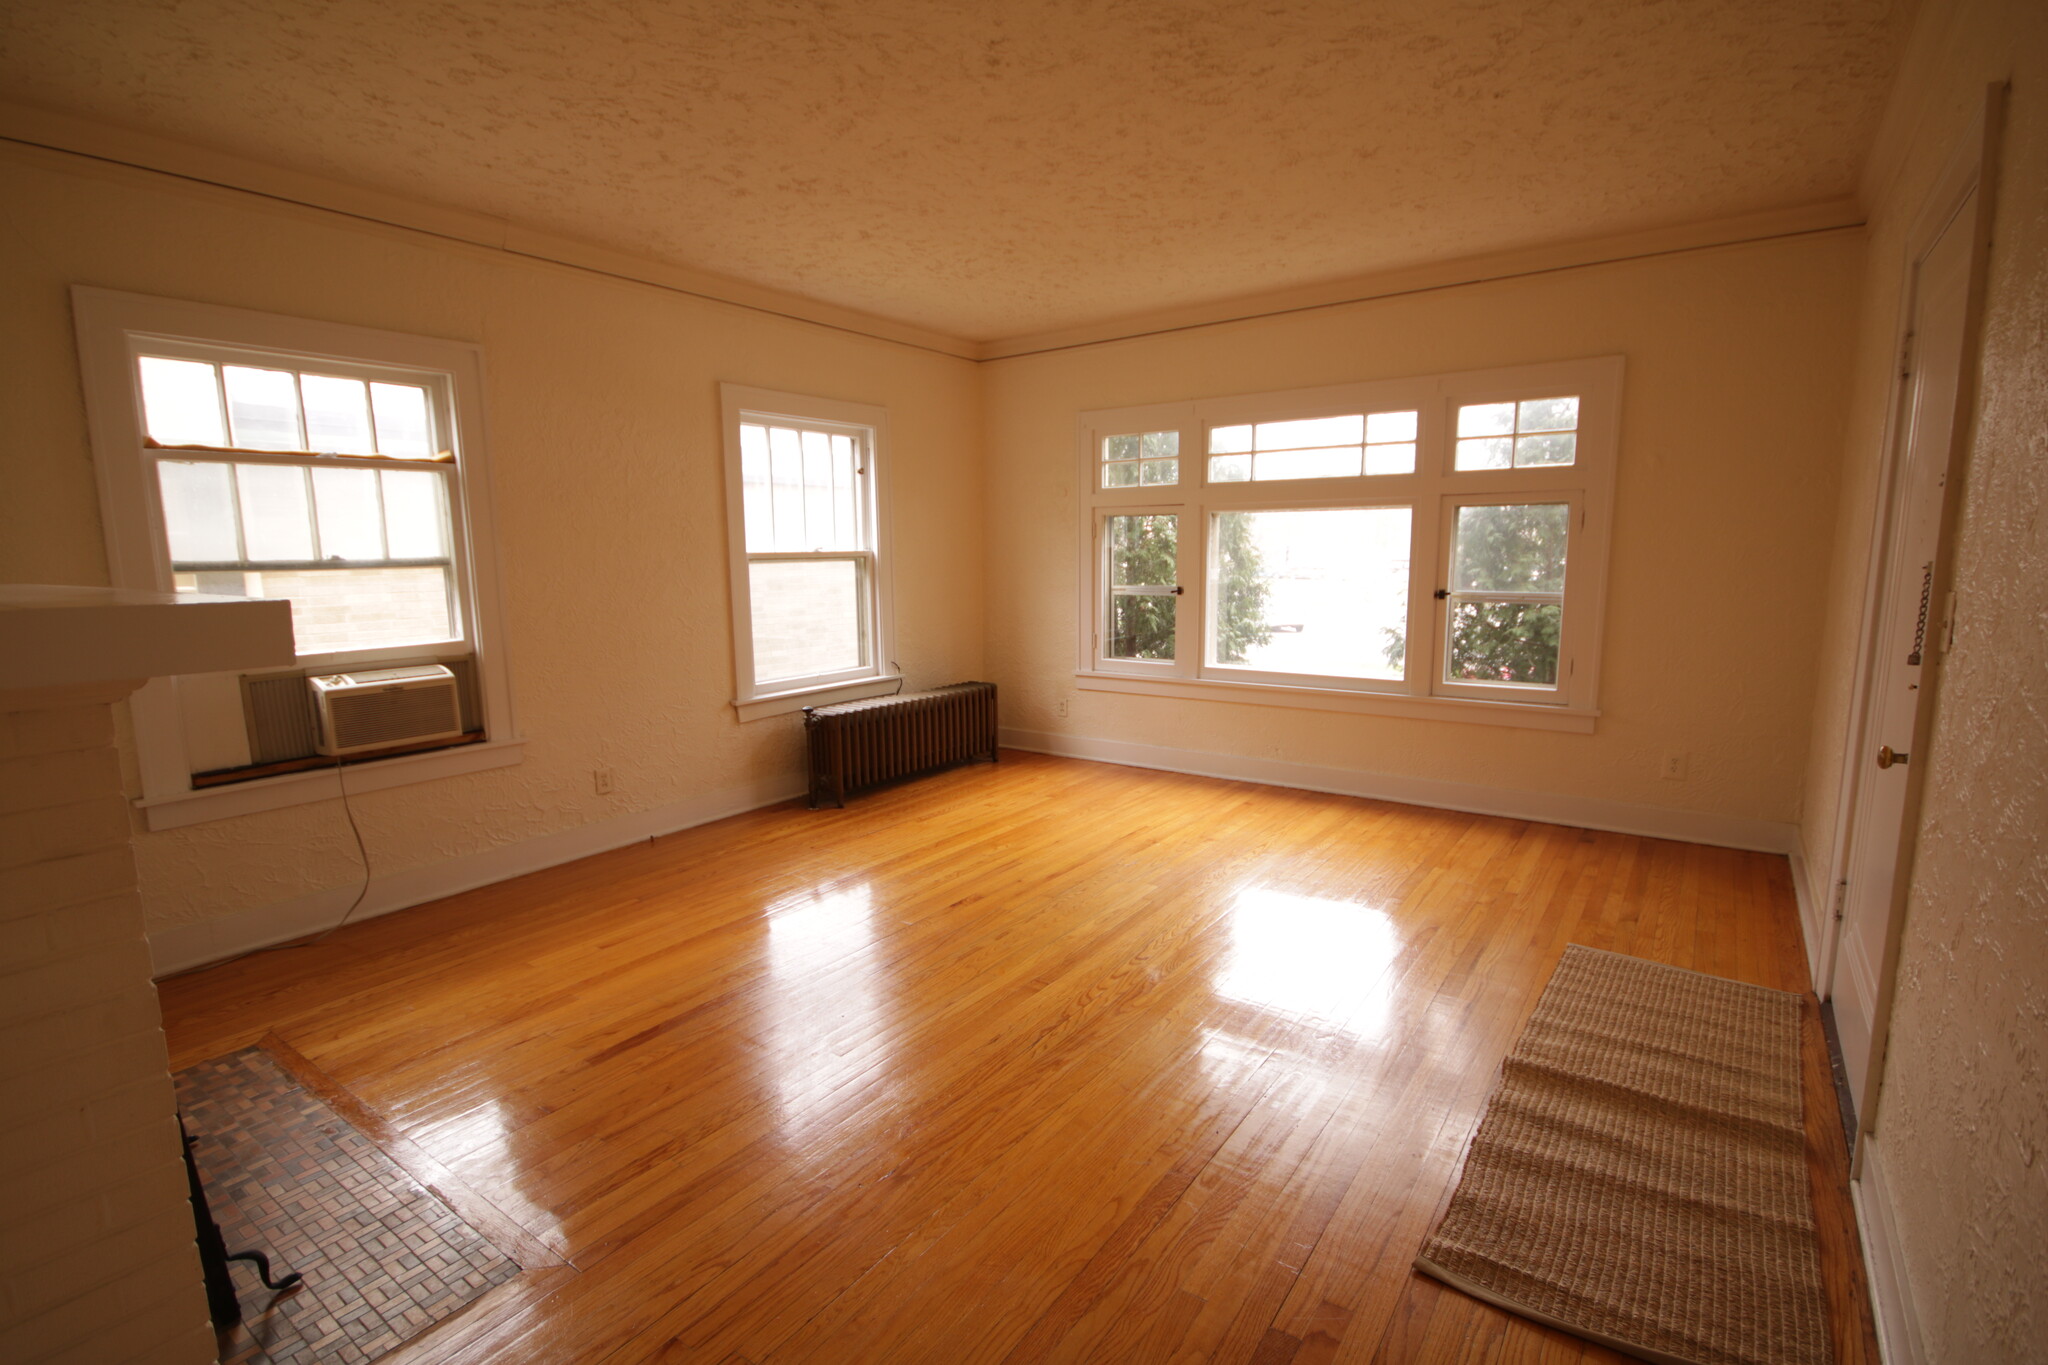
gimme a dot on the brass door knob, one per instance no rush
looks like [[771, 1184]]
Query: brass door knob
[[1885, 757]]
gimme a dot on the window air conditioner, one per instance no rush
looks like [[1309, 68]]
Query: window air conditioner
[[356, 712]]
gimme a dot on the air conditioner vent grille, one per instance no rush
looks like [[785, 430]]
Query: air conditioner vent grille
[[392, 717]]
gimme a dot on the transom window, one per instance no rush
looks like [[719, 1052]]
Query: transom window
[[1440, 539]]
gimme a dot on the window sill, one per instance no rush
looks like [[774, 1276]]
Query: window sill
[[1519, 715], [782, 703], [178, 809]]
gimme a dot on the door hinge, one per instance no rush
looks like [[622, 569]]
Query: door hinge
[[1906, 358], [1841, 899]]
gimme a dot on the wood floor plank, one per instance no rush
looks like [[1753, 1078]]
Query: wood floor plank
[[1045, 1061]]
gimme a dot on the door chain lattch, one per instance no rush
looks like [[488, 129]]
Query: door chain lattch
[[1920, 631]]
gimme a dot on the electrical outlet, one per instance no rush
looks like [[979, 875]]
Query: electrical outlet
[[601, 779], [1674, 767], [1059, 708]]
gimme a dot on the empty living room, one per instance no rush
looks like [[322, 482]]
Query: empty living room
[[1024, 680]]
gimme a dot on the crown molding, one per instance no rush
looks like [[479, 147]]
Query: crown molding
[[1825, 216], [146, 152]]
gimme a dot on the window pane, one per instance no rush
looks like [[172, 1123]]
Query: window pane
[[1230, 468], [852, 534], [1306, 464], [1504, 642], [402, 427], [263, 408], [181, 402], [1390, 426], [1120, 448], [1488, 452], [754, 485], [819, 532], [1512, 548], [1311, 592], [808, 617], [1230, 440], [786, 486], [336, 609], [1549, 414], [1161, 445], [1122, 474], [415, 514], [199, 512], [1556, 447], [1315, 431], [1141, 626], [1486, 419], [1390, 459], [351, 524], [277, 521], [1159, 472], [1143, 551], [337, 414]]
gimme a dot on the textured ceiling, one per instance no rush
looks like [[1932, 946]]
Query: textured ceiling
[[997, 168]]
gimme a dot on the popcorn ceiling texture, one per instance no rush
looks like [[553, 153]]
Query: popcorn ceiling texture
[[1962, 1114], [992, 170]]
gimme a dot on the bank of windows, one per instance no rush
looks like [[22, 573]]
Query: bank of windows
[[1447, 546]]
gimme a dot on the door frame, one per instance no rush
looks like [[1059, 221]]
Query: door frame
[[1971, 168]]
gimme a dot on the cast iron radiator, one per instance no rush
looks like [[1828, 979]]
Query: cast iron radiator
[[859, 744]]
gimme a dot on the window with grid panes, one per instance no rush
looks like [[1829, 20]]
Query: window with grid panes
[[1439, 540], [336, 467], [809, 591]]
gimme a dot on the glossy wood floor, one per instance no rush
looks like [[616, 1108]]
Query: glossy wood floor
[[1043, 1061]]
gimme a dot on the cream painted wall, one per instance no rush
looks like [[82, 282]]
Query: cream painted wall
[[608, 483], [1737, 373], [1962, 1113]]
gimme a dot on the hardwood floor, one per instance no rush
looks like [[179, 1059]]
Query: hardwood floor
[[1047, 1061]]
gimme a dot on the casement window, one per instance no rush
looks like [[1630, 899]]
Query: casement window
[[1428, 547], [337, 467], [807, 534]]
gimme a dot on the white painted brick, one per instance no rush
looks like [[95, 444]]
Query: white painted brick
[[136, 1105], [197, 1346], [112, 919], [57, 779], [60, 882], [53, 1281], [31, 1189], [49, 1136], [148, 1190], [55, 729], [38, 835], [25, 1042], [25, 941], [76, 1079], [91, 1326], [65, 983]]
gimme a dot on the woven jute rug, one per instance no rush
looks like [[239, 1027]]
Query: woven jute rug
[[1639, 1177]]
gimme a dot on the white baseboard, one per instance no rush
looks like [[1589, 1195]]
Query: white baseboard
[[1891, 1293], [180, 947], [1583, 812], [1812, 906]]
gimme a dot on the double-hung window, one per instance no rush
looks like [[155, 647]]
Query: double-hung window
[[806, 531], [339, 468], [1432, 546]]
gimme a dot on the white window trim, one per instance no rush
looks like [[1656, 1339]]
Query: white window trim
[[111, 325], [740, 402], [1433, 489]]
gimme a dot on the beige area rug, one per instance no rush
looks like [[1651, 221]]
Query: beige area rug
[[1639, 1178]]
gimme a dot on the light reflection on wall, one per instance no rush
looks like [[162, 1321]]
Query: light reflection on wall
[[828, 1020], [1327, 960]]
